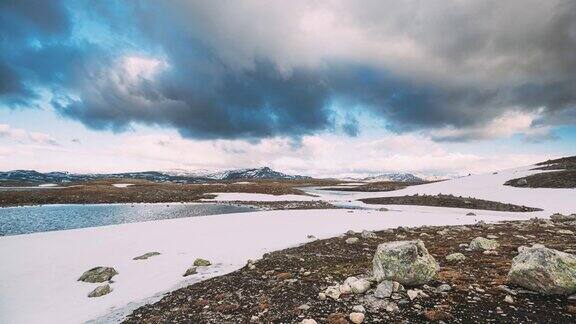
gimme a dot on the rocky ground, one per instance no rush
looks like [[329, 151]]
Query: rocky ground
[[448, 201], [97, 192], [564, 177], [376, 186], [293, 285]]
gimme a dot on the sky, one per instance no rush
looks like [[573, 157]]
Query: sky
[[321, 88]]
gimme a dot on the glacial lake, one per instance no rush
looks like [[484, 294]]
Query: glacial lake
[[31, 219]]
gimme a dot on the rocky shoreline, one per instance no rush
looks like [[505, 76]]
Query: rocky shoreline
[[335, 280]]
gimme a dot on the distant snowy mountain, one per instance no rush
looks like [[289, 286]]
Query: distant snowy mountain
[[254, 174], [396, 177], [180, 176]]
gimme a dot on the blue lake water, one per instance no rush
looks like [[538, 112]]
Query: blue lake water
[[31, 219]]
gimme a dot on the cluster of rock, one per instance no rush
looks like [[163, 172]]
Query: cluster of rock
[[99, 275], [395, 265], [105, 274], [401, 264]]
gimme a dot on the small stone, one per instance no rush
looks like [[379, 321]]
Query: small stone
[[322, 296], [201, 262], [368, 234], [359, 309], [492, 237], [308, 321], [100, 291], [306, 273], [565, 232], [444, 288], [98, 274], [352, 240], [509, 299], [360, 286], [483, 244], [190, 271], [357, 318], [350, 232], [470, 214], [412, 294], [311, 237], [146, 255], [384, 289], [254, 319], [333, 292], [490, 252], [455, 257]]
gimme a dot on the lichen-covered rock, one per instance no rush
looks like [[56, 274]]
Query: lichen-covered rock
[[98, 274], [407, 262], [201, 262], [368, 234], [384, 289], [190, 271], [333, 292], [483, 244], [352, 240], [455, 257], [100, 291], [360, 286], [544, 270], [146, 255]]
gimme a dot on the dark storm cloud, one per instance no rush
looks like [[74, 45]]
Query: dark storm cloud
[[246, 70]]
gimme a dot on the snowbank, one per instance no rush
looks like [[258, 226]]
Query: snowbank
[[39, 272], [233, 196]]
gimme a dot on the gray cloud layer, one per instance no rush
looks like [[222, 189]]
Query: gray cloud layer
[[252, 69]]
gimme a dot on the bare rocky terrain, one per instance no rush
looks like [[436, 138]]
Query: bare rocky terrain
[[293, 285], [559, 173], [448, 201], [143, 191], [376, 186]]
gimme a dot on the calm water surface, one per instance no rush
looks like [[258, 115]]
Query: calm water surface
[[31, 219]]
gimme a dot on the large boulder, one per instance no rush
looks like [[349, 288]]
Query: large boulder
[[98, 274], [544, 270], [407, 262]]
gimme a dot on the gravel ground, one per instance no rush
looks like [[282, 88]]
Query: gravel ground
[[284, 286]]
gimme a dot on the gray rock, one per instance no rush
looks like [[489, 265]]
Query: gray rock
[[483, 244], [443, 288], [98, 274], [201, 262], [455, 257], [544, 270], [190, 271], [368, 234], [100, 291], [521, 182], [352, 240], [407, 262], [359, 309], [308, 321], [360, 286], [333, 292], [146, 255], [356, 318], [384, 289]]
